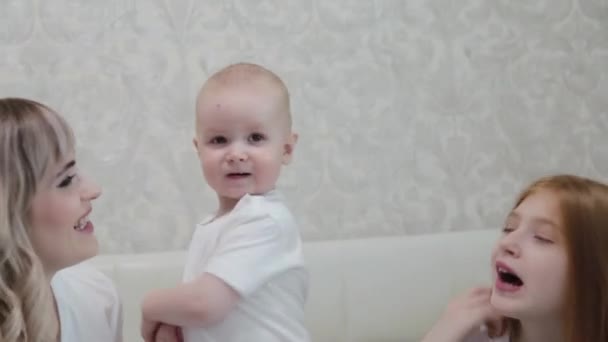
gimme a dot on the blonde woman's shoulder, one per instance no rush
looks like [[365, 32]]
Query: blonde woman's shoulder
[[86, 277], [88, 303]]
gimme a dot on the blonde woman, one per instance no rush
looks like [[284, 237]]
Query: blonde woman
[[46, 295]]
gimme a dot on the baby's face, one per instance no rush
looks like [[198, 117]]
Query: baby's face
[[243, 139]]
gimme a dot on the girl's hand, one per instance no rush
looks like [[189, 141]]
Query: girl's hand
[[464, 315]]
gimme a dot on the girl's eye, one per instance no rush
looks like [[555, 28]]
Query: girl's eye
[[542, 239], [507, 230]]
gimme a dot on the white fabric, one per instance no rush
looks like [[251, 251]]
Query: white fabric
[[88, 304], [366, 290], [256, 249]]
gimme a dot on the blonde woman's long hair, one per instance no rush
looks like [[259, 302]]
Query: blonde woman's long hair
[[32, 138]]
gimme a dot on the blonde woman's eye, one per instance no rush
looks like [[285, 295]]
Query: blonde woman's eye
[[66, 181]]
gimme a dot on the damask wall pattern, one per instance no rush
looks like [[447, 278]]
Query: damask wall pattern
[[415, 116]]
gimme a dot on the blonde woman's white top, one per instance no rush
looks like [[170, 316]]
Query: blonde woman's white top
[[88, 304]]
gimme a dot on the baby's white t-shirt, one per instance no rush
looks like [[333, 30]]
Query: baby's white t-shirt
[[255, 249]]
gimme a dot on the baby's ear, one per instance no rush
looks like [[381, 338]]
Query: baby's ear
[[288, 148], [195, 143]]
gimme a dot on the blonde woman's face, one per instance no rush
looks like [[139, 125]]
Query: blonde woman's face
[[61, 232]]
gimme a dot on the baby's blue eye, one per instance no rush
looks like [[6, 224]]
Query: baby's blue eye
[[218, 140], [256, 137]]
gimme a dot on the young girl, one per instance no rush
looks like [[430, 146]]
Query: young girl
[[45, 202], [550, 271]]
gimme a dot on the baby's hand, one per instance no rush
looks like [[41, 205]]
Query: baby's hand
[[148, 329], [463, 315], [168, 333]]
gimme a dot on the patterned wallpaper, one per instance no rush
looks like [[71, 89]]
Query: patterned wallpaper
[[415, 116]]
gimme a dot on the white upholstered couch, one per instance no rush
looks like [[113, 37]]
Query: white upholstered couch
[[372, 290]]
